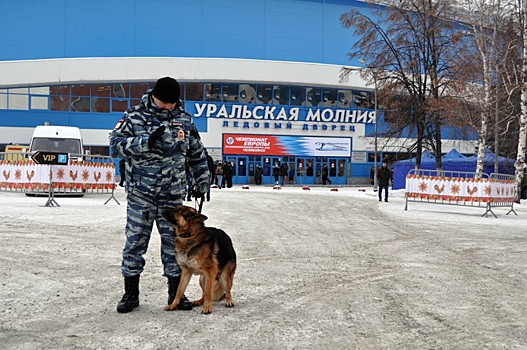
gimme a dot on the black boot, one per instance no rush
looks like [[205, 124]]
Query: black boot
[[184, 303], [130, 298]]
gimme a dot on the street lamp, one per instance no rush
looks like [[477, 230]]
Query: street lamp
[[375, 183]]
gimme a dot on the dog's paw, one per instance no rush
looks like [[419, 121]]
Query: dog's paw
[[229, 304], [198, 302], [170, 307], [206, 310]]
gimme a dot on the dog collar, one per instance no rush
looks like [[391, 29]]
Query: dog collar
[[185, 235]]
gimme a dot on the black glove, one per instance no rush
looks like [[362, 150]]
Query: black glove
[[155, 136], [196, 193]]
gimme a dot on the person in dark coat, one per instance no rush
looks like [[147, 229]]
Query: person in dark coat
[[276, 173], [383, 178], [325, 175], [258, 175], [228, 173], [283, 172]]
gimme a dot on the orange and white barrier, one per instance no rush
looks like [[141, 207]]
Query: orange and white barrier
[[460, 188], [26, 175]]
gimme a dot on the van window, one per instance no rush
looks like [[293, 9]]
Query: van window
[[51, 144]]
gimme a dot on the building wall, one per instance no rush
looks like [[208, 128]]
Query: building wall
[[284, 30]]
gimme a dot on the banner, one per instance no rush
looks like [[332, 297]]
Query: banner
[[79, 175], [459, 189], [269, 145]]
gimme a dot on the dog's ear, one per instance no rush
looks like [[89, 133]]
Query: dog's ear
[[198, 217]]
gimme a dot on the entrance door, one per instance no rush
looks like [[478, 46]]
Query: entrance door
[[337, 171], [240, 169]]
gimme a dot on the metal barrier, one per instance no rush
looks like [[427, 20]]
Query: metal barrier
[[461, 189], [83, 174]]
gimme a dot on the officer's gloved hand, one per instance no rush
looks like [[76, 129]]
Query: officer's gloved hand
[[196, 193], [155, 136]]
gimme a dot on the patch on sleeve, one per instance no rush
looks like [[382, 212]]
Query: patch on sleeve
[[120, 123], [181, 135]]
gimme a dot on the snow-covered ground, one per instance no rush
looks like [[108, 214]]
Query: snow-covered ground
[[317, 269]]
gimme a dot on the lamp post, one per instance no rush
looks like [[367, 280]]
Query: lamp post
[[375, 183]]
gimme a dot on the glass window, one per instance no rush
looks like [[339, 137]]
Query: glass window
[[313, 96], [120, 90], [101, 90], [371, 157], [138, 89], [361, 99], [298, 95], [230, 92], [39, 102], [80, 90], [344, 99], [329, 98], [247, 93], [80, 104], [19, 91], [193, 92], [134, 102], [53, 144], [119, 105], [281, 95], [3, 101], [265, 94], [42, 90], [20, 102], [99, 104], [100, 150], [60, 103], [60, 90], [212, 92]]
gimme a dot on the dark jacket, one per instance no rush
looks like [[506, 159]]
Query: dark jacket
[[259, 172], [283, 169], [383, 176]]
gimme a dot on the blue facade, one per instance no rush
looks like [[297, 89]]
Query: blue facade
[[303, 31]]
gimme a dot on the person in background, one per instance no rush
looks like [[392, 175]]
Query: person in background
[[156, 137], [210, 164], [276, 173], [228, 174], [383, 178], [325, 175], [283, 172], [258, 174], [219, 174]]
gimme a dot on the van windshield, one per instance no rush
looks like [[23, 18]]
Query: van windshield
[[52, 144]]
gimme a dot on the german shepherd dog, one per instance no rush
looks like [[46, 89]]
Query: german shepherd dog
[[204, 251]]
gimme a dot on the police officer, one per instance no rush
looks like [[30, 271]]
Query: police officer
[[156, 137]]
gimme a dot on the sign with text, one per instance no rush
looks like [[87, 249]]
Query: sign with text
[[286, 145], [52, 158]]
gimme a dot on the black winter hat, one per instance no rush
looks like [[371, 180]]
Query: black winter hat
[[167, 90]]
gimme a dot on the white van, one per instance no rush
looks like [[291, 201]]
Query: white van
[[62, 139], [52, 138]]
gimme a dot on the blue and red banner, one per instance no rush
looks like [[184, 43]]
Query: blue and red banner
[[273, 145]]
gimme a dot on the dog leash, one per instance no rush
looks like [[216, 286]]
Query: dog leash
[[200, 206]]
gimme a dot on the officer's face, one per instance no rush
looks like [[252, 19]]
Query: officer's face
[[164, 105]]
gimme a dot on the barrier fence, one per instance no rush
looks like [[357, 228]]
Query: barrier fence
[[461, 189], [83, 174]]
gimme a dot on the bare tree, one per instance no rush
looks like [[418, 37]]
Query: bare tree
[[412, 54], [520, 158]]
